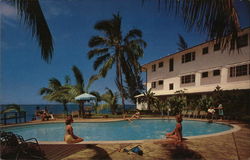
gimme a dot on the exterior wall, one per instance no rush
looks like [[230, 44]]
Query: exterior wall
[[213, 60]]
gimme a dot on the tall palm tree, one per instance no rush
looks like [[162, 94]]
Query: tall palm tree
[[80, 87], [57, 92], [112, 49], [31, 13], [111, 99], [182, 44]]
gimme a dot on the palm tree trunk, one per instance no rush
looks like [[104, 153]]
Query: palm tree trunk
[[65, 108]]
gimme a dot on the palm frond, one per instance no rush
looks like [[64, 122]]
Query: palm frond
[[182, 44], [97, 52], [215, 18], [96, 41], [45, 91], [100, 60], [78, 76], [92, 79], [54, 83], [134, 33], [107, 66], [32, 15]]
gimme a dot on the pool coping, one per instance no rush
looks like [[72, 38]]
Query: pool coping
[[234, 128]]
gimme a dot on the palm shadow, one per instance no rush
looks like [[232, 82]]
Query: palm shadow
[[181, 152]]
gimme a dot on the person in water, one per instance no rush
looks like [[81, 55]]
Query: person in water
[[69, 134], [177, 132]]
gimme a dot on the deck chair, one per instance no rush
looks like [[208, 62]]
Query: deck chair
[[195, 114], [190, 113], [13, 146]]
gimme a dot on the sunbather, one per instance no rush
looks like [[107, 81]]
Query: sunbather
[[134, 116], [177, 132], [69, 135]]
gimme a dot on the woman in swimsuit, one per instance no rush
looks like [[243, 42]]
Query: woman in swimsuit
[[177, 132], [69, 135]]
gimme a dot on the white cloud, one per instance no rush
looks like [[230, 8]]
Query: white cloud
[[8, 11]]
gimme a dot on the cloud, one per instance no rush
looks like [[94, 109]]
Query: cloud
[[8, 11], [53, 9]]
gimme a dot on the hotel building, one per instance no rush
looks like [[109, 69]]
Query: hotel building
[[200, 69]]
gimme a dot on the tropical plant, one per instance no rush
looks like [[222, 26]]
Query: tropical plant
[[205, 102], [57, 92], [112, 49], [111, 100], [149, 98], [160, 105], [177, 103], [31, 13], [182, 44], [80, 87]]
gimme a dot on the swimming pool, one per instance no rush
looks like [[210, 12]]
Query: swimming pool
[[117, 131]]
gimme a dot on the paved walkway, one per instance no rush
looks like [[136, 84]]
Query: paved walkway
[[222, 147]]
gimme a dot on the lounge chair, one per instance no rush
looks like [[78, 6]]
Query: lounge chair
[[203, 114], [13, 146]]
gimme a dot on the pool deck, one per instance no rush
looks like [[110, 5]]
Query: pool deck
[[228, 145]]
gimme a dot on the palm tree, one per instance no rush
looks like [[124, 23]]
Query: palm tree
[[57, 92], [182, 44], [32, 15], [111, 99], [149, 98], [97, 100], [80, 88], [112, 49]]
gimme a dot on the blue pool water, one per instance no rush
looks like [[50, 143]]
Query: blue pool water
[[122, 130]]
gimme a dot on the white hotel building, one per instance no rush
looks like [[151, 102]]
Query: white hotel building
[[200, 69]]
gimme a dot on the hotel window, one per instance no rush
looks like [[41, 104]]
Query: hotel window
[[238, 71], [153, 67], [188, 79], [217, 47], [188, 57], [153, 85], [204, 74], [216, 72], [171, 65], [242, 41], [160, 65], [171, 86], [205, 50], [160, 82]]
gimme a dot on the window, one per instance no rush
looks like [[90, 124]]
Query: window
[[160, 64], [241, 70], [205, 50], [216, 72], [204, 74], [188, 57], [238, 71], [242, 41], [171, 86], [153, 85], [160, 82], [217, 47], [153, 68], [171, 65], [188, 79]]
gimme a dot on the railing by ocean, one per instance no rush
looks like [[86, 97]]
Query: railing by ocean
[[30, 109]]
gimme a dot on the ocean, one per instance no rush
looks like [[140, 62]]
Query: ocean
[[56, 109]]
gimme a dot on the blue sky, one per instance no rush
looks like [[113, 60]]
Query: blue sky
[[23, 72]]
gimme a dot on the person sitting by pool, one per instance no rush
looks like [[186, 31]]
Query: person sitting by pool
[[134, 116], [210, 113], [177, 132], [69, 136]]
